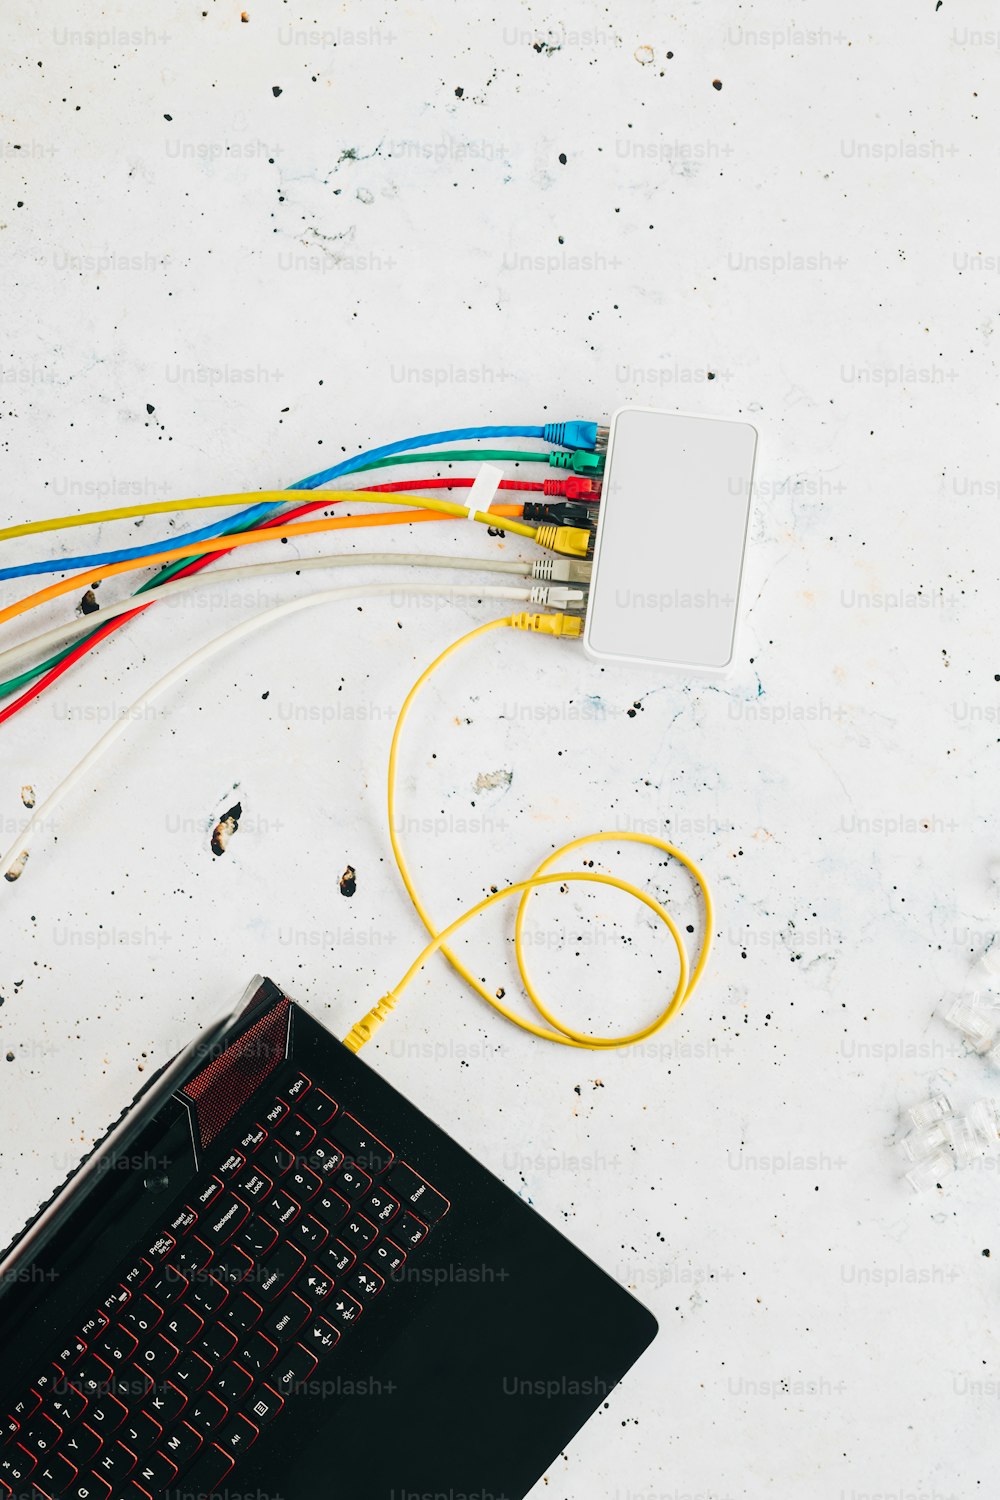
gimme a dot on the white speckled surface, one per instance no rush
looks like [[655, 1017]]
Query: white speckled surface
[[284, 276]]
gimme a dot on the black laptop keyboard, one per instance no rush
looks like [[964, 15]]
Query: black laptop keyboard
[[208, 1330]]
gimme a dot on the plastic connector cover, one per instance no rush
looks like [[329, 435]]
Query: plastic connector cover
[[579, 462], [933, 1109], [571, 541], [964, 1140], [563, 625], [922, 1143], [561, 570], [982, 1117], [574, 434], [573, 487], [562, 512], [975, 1018], [929, 1174], [558, 596]]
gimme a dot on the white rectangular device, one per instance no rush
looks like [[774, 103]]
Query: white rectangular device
[[670, 542]]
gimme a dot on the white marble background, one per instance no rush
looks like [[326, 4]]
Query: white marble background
[[287, 276]]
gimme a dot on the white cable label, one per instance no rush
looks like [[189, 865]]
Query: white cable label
[[484, 489]]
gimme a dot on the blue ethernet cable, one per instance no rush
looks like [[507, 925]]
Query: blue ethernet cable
[[561, 434]]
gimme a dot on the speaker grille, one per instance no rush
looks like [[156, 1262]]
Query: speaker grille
[[225, 1084]]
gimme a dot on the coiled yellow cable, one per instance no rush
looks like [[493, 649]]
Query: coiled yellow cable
[[556, 1030]]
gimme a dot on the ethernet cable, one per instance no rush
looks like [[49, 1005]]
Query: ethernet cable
[[585, 434], [38, 678], [93, 562], [13, 861], [56, 666], [571, 487], [557, 1030], [210, 502], [14, 656], [573, 541], [573, 435], [332, 497]]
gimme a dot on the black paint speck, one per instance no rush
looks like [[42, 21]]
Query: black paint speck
[[986, 1254], [349, 881], [150, 408], [225, 828], [716, 83], [276, 91], [562, 158], [168, 117], [459, 93]]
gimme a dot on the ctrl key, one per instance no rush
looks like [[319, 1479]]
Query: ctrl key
[[294, 1367]]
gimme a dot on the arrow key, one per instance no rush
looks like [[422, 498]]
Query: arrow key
[[343, 1309], [319, 1336], [365, 1283], [315, 1285]]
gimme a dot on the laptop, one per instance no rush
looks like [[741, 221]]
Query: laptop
[[275, 1277]]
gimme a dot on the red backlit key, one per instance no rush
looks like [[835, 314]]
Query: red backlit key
[[222, 1220], [417, 1194], [91, 1487], [387, 1258], [41, 1436], [357, 1233], [152, 1477], [295, 1134], [237, 1437], [358, 1143], [115, 1462], [206, 1412], [318, 1109], [182, 1444], [296, 1090], [55, 1478], [209, 1472], [182, 1325], [80, 1445], [15, 1466], [293, 1367], [365, 1283], [379, 1206]]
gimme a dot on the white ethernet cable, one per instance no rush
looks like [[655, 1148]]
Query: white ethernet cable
[[14, 860], [557, 569]]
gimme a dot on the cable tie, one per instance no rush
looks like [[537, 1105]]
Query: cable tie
[[484, 489]]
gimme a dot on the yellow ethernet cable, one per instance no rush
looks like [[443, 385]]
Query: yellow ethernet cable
[[556, 1030], [270, 534]]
